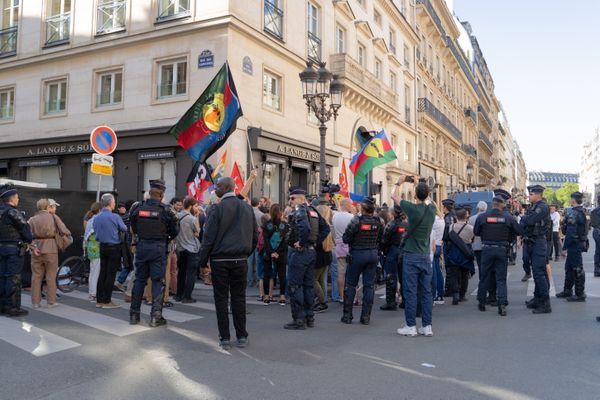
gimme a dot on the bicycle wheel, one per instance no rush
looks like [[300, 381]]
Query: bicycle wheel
[[70, 274]]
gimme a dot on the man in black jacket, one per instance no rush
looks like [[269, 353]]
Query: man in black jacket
[[230, 236]]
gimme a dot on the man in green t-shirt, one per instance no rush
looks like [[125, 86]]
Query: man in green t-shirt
[[417, 268]]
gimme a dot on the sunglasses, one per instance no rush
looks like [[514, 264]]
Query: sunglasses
[[293, 198]]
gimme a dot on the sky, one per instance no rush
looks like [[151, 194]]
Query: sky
[[544, 57]]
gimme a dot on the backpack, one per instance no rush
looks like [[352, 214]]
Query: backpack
[[595, 218], [276, 236]]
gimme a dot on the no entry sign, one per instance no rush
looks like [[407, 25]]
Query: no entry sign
[[103, 140]]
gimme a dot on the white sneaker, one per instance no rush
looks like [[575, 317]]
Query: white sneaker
[[439, 301], [52, 305], [407, 331], [35, 305], [426, 331]]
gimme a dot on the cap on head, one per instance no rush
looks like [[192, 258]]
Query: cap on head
[[297, 190], [158, 184], [370, 201], [463, 206], [577, 196], [7, 190], [536, 189], [52, 202], [448, 203]]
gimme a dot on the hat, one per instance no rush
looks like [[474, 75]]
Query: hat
[[448, 203], [7, 190], [501, 195], [536, 189], [157, 184], [121, 204], [463, 206], [52, 202], [577, 195], [297, 190]]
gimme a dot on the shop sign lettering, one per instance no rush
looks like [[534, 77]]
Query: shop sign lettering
[[59, 149], [298, 153]]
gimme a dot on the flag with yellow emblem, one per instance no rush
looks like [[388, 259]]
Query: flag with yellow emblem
[[376, 151]]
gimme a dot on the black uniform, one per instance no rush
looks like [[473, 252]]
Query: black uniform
[[363, 235], [392, 243], [154, 224], [14, 235]]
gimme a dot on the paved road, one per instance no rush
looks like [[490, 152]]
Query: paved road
[[77, 352]]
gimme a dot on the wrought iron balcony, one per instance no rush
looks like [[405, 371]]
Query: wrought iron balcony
[[471, 114], [314, 47], [58, 28], [8, 41], [486, 166], [486, 118], [425, 106], [273, 19], [483, 137], [470, 149]]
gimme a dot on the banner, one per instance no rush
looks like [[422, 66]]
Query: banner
[[237, 177]]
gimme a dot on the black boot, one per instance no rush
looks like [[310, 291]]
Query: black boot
[[348, 303], [297, 324], [502, 310], [532, 303], [14, 308], [365, 316], [481, 307], [579, 285], [491, 300], [568, 287], [310, 322], [455, 299], [390, 295], [543, 307], [134, 318], [156, 320], [596, 270]]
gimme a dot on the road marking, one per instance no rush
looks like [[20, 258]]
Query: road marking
[[31, 339], [531, 286], [95, 320], [168, 314]]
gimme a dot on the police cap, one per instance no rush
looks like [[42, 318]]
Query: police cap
[[501, 195], [463, 206], [158, 184], [448, 203], [536, 189], [7, 190], [297, 190]]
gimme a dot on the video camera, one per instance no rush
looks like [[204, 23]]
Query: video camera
[[331, 188]]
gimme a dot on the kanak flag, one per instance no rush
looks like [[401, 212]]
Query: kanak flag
[[344, 181], [198, 181], [237, 177]]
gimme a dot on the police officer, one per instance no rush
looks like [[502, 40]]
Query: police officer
[[575, 232], [497, 229], [307, 228], [15, 237], [154, 224], [534, 225], [362, 235], [449, 219], [391, 245]]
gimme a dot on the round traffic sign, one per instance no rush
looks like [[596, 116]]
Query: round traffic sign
[[103, 140]]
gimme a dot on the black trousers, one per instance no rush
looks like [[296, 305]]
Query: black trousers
[[458, 280], [229, 277], [110, 261], [554, 244], [280, 266], [187, 272]]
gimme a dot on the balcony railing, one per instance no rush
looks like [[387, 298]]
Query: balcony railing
[[58, 28], [485, 116], [501, 129], [8, 41], [111, 16], [273, 19], [424, 105], [483, 137], [486, 166], [471, 114], [469, 149], [314, 47]]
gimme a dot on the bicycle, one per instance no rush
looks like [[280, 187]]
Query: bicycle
[[73, 272]]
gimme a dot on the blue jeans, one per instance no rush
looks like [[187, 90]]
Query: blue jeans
[[335, 292], [526, 258], [301, 266], [251, 277], [596, 236], [416, 272], [437, 284]]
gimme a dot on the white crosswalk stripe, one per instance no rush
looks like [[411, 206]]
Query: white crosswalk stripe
[[170, 315], [31, 339]]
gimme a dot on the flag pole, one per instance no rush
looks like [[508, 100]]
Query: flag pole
[[250, 150]]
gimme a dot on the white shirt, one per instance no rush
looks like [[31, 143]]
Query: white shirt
[[341, 219], [555, 216], [437, 231]]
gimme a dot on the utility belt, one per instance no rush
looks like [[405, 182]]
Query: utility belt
[[533, 239], [495, 244], [11, 244], [303, 248]]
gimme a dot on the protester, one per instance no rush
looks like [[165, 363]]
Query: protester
[[263, 269], [126, 255], [255, 265], [108, 227], [172, 265], [230, 236], [45, 227], [274, 233], [188, 247], [92, 250], [323, 261]]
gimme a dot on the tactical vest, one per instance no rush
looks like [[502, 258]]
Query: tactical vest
[[313, 222], [400, 228], [539, 229], [368, 231], [150, 225], [496, 228], [8, 231]]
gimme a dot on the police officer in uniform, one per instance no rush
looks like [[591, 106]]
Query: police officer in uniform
[[15, 238], [534, 225], [362, 235], [449, 219], [391, 245], [307, 228], [154, 224], [497, 229], [575, 232]]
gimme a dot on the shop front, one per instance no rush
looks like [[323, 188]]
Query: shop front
[[283, 162], [64, 163]]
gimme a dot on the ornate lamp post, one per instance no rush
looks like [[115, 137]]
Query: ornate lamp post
[[317, 87]]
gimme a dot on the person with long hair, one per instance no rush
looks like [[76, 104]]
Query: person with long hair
[[323, 261], [275, 253]]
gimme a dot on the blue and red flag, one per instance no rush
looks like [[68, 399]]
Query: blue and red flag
[[206, 126]]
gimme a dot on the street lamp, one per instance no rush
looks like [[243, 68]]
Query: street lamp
[[470, 173], [318, 86]]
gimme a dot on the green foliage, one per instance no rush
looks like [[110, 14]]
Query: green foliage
[[563, 194], [550, 196]]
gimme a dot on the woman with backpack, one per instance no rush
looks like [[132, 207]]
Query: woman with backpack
[[323, 261], [274, 233]]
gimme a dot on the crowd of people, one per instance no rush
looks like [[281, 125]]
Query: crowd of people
[[151, 251]]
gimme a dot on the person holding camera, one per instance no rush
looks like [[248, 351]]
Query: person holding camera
[[416, 267]]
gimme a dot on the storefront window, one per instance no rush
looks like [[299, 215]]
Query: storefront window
[[48, 175], [272, 181], [106, 183], [163, 169]]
